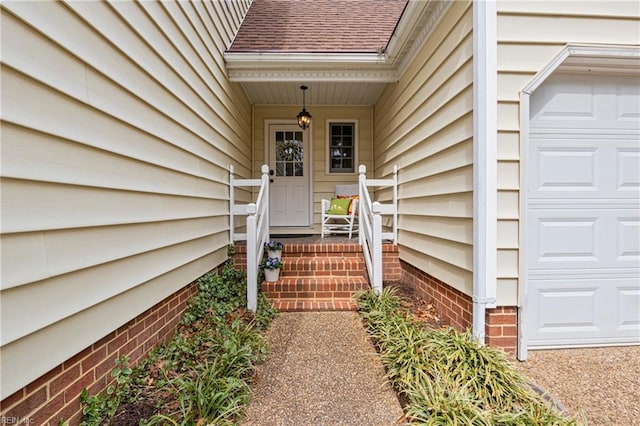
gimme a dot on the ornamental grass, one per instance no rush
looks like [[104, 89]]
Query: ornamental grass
[[446, 377]]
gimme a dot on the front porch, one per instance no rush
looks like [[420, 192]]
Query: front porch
[[321, 274]]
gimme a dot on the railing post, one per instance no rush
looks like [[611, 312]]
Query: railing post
[[377, 247], [265, 184], [252, 270], [395, 205], [232, 200], [362, 186]]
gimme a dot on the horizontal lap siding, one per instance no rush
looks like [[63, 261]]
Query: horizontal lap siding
[[424, 125], [118, 128], [530, 35]]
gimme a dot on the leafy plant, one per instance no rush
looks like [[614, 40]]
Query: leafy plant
[[97, 407], [445, 376], [201, 375], [273, 245], [271, 263]]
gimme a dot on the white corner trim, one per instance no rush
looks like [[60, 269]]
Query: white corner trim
[[485, 163]]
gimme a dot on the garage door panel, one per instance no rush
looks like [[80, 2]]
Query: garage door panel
[[579, 312], [554, 175], [562, 242], [570, 167], [628, 177], [586, 102], [628, 241], [583, 220], [628, 107], [570, 238], [554, 301], [628, 314]]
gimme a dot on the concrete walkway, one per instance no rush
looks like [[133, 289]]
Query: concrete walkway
[[322, 370]]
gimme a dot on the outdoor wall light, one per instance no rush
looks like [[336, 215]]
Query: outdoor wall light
[[304, 118]]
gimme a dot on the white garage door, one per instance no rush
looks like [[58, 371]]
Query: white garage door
[[583, 224]]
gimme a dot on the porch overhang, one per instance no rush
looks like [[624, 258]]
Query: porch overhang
[[335, 78]]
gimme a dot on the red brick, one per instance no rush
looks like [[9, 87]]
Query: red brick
[[501, 319], [50, 408], [116, 343], [72, 393], [105, 367], [94, 359], [12, 399], [510, 330], [32, 402], [65, 379], [494, 331]]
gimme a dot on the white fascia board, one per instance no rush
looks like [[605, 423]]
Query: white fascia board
[[408, 21], [257, 67], [262, 59]]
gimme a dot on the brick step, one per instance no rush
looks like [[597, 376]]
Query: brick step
[[312, 305], [314, 287], [312, 293], [323, 266]]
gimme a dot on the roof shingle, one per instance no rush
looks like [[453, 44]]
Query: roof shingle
[[318, 26]]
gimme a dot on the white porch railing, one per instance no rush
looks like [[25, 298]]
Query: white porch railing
[[257, 229], [370, 223]]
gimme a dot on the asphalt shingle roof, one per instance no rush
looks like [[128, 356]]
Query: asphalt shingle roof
[[318, 26]]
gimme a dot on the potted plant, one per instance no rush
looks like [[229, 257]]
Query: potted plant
[[274, 249], [271, 267]]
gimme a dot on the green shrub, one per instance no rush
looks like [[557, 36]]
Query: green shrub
[[446, 377], [202, 374]]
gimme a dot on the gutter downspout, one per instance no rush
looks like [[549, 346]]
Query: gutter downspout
[[485, 164]]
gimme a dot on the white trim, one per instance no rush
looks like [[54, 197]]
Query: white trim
[[615, 58], [300, 59], [356, 136], [485, 163]]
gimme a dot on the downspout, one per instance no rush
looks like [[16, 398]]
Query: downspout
[[485, 166]]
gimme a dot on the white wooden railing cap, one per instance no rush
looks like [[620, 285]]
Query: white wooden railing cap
[[264, 169], [362, 168]]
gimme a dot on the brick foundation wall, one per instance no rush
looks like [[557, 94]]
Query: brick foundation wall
[[455, 306], [501, 328], [56, 395], [501, 324]]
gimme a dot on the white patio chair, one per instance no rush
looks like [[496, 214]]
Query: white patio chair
[[340, 214]]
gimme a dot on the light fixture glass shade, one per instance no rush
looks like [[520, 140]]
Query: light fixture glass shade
[[304, 119]]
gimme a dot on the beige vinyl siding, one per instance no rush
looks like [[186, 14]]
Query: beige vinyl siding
[[530, 35], [323, 183], [424, 125], [118, 128]]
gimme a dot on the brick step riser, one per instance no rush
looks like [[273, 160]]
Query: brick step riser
[[323, 266], [314, 305], [285, 285]]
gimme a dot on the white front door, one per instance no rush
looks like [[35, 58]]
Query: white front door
[[289, 163], [583, 209]]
